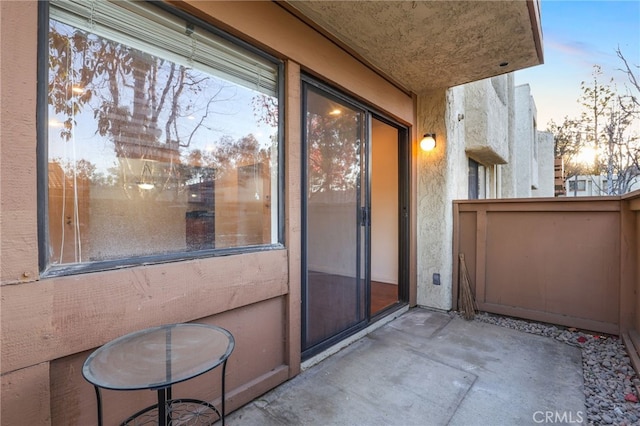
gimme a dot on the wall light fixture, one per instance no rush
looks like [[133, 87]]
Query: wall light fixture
[[428, 142]]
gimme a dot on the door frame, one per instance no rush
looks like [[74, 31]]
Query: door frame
[[404, 215]]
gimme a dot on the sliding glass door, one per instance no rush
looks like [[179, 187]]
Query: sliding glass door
[[355, 216], [335, 212]]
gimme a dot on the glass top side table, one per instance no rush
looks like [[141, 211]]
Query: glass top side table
[[157, 358]]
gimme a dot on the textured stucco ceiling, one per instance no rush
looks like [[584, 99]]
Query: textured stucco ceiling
[[422, 45]]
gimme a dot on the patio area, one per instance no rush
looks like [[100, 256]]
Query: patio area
[[432, 368]]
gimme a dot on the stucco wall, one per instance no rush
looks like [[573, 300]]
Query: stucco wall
[[486, 120], [442, 177], [523, 150], [507, 187], [545, 166]]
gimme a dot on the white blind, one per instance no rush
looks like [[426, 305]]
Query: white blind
[[159, 33]]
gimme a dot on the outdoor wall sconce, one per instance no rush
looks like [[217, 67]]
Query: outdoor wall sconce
[[428, 142]]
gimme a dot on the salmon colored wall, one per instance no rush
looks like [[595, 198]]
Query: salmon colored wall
[[49, 325], [56, 317], [73, 401], [19, 242], [26, 396], [384, 203]]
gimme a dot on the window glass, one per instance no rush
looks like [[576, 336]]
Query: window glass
[[582, 185], [474, 180], [162, 138]]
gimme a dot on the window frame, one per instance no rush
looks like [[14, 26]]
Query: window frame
[[581, 184], [47, 270]]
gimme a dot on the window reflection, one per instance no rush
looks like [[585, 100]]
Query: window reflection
[[149, 156]]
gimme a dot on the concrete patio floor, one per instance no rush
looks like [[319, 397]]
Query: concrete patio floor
[[431, 368]]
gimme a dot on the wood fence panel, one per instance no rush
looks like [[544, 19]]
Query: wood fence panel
[[545, 260]]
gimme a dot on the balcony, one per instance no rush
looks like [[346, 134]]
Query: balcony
[[434, 368], [569, 262]]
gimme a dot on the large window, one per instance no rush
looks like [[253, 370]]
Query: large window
[[162, 137]]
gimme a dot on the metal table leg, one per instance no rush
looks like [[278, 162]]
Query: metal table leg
[[99, 399]]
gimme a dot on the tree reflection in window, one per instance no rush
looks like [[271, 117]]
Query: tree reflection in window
[[130, 134], [333, 138]]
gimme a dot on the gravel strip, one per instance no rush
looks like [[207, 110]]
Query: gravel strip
[[610, 382]]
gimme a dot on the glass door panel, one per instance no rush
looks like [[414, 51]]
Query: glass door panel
[[334, 285]]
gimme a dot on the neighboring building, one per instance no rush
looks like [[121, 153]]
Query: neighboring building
[[594, 186], [249, 164], [546, 166], [508, 156]]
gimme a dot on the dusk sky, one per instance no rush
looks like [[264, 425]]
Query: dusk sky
[[576, 36]]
